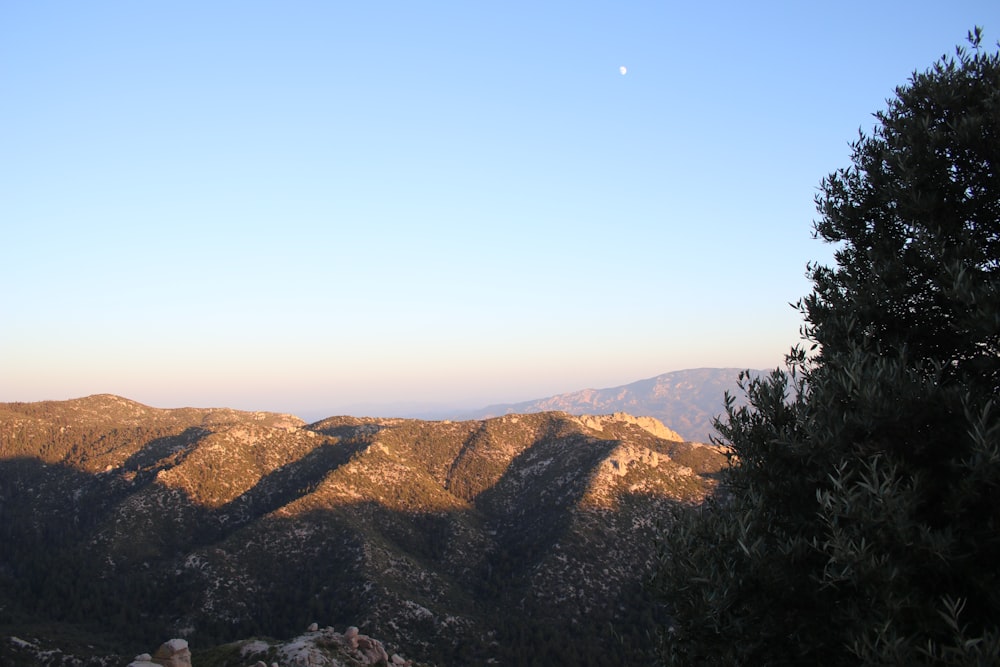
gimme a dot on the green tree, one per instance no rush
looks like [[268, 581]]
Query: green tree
[[859, 519]]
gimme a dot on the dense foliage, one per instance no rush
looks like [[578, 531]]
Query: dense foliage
[[861, 519]]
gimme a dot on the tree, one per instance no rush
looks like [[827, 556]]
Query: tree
[[859, 519]]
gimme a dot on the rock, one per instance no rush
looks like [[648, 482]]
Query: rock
[[173, 653], [372, 650], [143, 660], [313, 627], [648, 424]]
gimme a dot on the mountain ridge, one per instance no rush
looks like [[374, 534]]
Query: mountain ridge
[[456, 541], [687, 400]]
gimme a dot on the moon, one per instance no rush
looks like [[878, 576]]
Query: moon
[[623, 70]]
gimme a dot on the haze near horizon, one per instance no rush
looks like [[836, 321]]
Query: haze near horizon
[[312, 206]]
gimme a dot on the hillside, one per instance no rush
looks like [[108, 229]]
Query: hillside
[[687, 400], [522, 538]]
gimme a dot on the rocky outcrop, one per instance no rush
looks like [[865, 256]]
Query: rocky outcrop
[[314, 648], [172, 653], [648, 424], [323, 646]]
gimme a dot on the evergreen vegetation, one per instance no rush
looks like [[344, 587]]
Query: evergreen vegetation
[[861, 518]]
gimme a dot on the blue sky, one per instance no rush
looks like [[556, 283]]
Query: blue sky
[[329, 207]]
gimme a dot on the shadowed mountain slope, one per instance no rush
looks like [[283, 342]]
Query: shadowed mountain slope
[[517, 538]]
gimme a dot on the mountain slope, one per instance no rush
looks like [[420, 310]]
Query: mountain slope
[[686, 400], [459, 542]]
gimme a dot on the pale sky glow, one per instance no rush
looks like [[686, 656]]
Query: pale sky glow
[[320, 207]]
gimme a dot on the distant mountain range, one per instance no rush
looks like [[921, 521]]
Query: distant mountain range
[[521, 539], [686, 401]]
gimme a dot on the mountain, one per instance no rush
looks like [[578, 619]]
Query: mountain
[[520, 539], [687, 400]]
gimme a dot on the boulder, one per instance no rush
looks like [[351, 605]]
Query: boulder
[[372, 650], [173, 653]]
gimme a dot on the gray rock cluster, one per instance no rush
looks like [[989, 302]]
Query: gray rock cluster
[[315, 648]]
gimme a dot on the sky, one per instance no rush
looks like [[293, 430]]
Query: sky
[[379, 207]]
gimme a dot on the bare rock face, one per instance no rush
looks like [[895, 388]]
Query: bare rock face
[[649, 424], [625, 456]]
